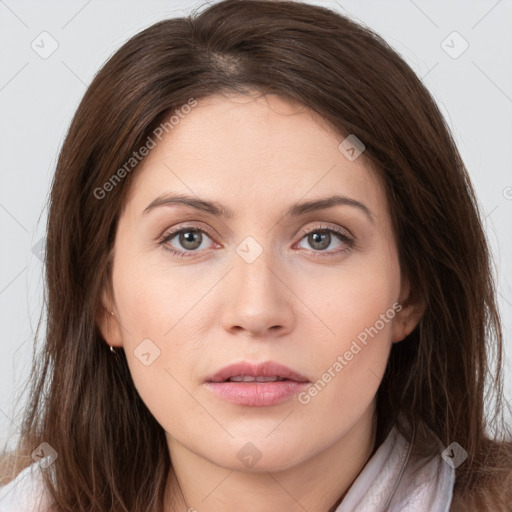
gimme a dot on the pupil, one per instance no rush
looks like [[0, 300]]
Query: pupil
[[321, 238], [189, 240]]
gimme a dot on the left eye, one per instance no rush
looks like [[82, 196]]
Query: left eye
[[320, 239]]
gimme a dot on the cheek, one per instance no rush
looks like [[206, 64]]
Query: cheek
[[163, 314], [357, 313], [348, 300], [156, 296]]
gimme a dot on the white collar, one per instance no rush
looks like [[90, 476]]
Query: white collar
[[392, 481]]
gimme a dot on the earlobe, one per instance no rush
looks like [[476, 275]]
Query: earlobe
[[404, 325], [407, 318], [107, 322]]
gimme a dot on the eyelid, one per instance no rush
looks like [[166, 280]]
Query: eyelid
[[184, 226], [327, 226]]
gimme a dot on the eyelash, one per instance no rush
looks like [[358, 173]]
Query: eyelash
[[316, 254]]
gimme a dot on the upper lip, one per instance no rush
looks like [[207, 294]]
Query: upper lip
[[263, 369]]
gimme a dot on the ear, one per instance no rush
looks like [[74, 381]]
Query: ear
[[408, 316], [107, 320]]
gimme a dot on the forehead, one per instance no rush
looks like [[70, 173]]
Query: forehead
[[252, 152]]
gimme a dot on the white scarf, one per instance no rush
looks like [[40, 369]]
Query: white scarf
[[392, 481]]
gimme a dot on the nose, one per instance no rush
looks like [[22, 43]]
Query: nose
[[258, 298]]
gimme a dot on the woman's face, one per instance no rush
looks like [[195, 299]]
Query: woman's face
[[261, 284]]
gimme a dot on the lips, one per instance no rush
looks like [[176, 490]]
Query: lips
[[256, 384], [245, 371]]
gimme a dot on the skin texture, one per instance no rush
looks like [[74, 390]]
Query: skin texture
[[257, 155]]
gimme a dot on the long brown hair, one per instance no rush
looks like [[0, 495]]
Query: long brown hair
[[112, 452]]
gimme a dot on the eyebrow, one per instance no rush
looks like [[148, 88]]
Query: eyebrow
[[219, 210]]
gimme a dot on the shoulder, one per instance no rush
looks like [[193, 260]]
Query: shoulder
[[25, 492]]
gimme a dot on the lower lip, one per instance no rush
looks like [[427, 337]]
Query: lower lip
[[257, 394]]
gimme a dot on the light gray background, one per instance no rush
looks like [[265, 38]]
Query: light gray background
[[39, 96]]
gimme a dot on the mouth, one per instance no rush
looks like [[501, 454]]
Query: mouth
[[256, 385], [259, 378], [247, 372]]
